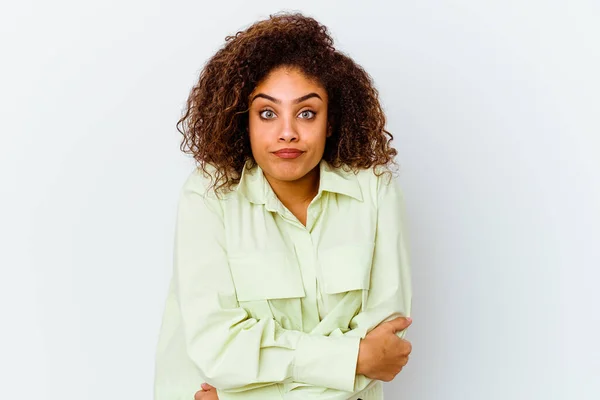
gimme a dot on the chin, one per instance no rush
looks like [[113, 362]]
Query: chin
[[286, 176], [288, 171]]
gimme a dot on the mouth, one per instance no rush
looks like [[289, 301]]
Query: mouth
[[288, 153]]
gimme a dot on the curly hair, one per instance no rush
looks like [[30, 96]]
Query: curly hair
[[214, 124]]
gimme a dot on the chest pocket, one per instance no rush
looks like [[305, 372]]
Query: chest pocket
[[264, 276], [346, 267], [268, 285]]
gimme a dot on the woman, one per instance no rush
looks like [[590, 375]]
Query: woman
[[291, 271]]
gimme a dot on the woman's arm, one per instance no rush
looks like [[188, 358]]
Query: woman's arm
[[232, 350], [390, 289]]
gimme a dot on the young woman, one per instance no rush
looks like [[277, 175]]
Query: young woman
[[291, 269]]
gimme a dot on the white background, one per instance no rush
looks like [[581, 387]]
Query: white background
[[495, 109]]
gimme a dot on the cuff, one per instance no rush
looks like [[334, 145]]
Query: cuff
[[327, 361]]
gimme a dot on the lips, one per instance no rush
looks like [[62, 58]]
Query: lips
[[288, 153]]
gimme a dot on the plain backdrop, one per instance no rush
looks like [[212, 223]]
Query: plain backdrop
[[494, 106]]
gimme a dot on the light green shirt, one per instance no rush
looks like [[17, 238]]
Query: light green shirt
[[263, 307]]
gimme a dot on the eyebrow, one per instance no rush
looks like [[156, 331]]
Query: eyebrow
[[296, 101]]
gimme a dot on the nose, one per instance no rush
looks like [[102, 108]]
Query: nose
[[288, 131]]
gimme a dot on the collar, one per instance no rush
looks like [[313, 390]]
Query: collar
[[254, 186]]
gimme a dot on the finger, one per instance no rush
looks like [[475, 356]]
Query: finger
[[206, 386], [199, 394], [400, 323]]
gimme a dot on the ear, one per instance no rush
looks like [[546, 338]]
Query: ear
[[329, 130]]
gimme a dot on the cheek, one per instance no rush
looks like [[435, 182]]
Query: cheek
[[321, 138], [252, 131], [257, 132], [321, 145], [258, 144]]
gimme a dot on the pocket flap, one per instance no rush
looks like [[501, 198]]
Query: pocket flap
[[261, 276], [346, 267]]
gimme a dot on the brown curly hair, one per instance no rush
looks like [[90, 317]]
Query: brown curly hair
[[214, 124]]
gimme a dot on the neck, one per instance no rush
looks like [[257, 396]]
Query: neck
[[299, 193]]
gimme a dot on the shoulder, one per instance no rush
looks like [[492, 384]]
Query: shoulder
[[376, 182], [197, 193], [374, 175], [201, 182]]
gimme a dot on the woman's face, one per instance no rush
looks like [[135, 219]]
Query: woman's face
[[287, 124]]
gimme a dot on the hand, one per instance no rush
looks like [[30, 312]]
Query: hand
[[382, 354], [207, 393]]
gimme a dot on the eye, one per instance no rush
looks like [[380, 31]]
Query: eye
[[308, 114], [267, 114]]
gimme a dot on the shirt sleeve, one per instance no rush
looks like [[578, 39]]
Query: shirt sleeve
[[232, 350], [390, 290]]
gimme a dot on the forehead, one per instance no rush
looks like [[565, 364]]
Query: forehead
[[288, 83]]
